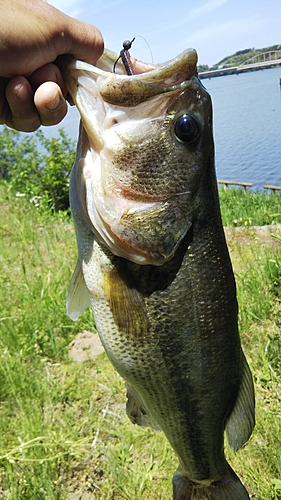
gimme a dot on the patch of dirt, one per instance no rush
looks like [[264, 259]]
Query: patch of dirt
[[245, 244], [261, 235], [85, 346], [80, 494], [83, 485]]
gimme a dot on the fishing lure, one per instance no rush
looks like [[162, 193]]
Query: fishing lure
[[125, 56]]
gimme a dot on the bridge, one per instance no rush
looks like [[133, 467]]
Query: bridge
[[258, 61]]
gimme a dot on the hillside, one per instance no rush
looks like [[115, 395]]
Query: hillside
[[238, 58]]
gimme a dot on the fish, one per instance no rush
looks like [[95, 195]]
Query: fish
[[153, 262]]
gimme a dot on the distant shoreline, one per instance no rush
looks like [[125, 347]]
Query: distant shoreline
[[236, 70]]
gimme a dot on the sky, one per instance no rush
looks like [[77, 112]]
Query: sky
[[163, 29]]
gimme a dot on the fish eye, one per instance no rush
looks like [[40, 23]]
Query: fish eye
[[187, 128]]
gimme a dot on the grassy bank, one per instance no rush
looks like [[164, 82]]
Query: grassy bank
[[63, 429], [254, 208]]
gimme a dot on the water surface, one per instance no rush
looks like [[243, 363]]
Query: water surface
[[247, 126]]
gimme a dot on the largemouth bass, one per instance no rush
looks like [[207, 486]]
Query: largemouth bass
[[154, 264]]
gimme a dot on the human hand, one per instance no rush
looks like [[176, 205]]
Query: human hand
[[33, 35]]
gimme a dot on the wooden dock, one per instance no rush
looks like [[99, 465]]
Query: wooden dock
[[273, 188], [246, 185], [234, 183]]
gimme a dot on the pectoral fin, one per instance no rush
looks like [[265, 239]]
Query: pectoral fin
[[241, 422], [126, 302], [78, 296]]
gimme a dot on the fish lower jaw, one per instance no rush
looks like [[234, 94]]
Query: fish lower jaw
[[128, 243], [121, 248]]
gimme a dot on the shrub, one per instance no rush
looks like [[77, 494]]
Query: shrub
[[38, 167]]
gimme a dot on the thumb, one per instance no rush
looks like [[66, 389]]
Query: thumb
[[82, 40]]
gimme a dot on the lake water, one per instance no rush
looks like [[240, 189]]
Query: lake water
[[247, 126]]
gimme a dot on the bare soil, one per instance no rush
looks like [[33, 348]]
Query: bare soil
[[85, 346]]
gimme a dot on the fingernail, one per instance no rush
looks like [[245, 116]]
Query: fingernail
[[54, 104], [22, 92]]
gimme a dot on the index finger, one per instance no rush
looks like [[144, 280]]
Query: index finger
[[82, 40]]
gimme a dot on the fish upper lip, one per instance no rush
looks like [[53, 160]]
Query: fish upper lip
[[170, 73], [130, 90]]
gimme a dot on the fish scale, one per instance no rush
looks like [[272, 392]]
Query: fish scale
[[156, 269]]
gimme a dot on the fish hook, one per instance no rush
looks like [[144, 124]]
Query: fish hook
[[125, 56]]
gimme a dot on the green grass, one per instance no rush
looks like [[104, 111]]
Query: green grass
[[253, 208], [63, 429]]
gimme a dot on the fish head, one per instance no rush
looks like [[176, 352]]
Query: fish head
[[145, 154]]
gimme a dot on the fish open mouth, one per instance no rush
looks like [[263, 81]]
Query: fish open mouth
[[119, 115]]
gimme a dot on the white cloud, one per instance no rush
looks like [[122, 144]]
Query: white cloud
[[217, 40], [100, 5], [66, 6], [206, 8], [235, 28], [198, 12], [85, 9]]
